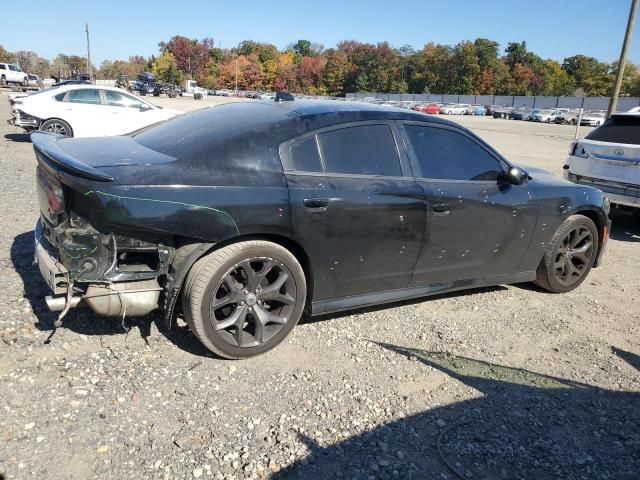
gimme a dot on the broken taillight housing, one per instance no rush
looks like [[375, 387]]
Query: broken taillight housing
[[52, 188]]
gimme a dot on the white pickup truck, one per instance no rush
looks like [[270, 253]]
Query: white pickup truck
[[11, 73]]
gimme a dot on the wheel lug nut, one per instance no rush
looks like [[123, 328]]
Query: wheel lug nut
[[246, 292], [242, 302]]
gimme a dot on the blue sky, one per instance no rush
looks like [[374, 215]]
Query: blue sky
[[552, 28]]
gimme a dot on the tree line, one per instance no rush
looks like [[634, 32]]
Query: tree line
[[470, 67]]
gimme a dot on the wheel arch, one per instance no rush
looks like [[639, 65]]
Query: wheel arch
[[597, 216], [191, 251], [58, 118]]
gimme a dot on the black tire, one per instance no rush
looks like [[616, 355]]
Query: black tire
[[3, 80], [562, 269], [197, 96], [56, 125], [25, 81], [218, 272]]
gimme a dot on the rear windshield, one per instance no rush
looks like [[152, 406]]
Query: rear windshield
[[618, 129]]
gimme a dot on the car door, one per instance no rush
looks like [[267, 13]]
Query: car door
[[479, 226], [360, 219], [127, 112], [83, 109]]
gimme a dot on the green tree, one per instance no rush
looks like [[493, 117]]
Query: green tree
[[165, 68], [6, 56], [335, 72], [467, 68]]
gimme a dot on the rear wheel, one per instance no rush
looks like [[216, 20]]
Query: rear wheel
[[244, 299], [3, 80], [569, 256], [57, 126]]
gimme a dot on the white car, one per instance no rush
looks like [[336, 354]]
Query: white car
[[592, 119], [547, 115], [86, 111], [608, 158], [454, 109], [11, 73]]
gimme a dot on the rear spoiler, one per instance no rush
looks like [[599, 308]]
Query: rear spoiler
[[45, 144]]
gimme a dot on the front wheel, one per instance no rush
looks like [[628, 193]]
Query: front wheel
[[569, 256], [244, 299], [57, 126]]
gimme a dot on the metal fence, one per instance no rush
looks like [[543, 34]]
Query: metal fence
[[588, 103]]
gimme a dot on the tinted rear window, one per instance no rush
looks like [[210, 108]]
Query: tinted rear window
[[365, 150], [304, 155], [618, 129]]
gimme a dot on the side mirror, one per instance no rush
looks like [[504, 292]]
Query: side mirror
[[144, 107], [516, 176]]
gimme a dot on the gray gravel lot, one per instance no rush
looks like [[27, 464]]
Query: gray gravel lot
[[497, 383]]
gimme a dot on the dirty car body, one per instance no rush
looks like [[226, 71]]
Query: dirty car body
[[124, 219]]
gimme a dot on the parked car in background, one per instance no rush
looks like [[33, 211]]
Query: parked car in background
[[86, 111], [502, 112], [126, 241], [478, 110], [519, 113], [454, 109], [593, 119], [568, 118], [33, 81], [429, 108], [608, 158], [10, 73], [492, 108], [546, 115]]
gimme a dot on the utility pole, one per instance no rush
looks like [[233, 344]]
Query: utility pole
[[236, 55], [88, 51], [613, 101]]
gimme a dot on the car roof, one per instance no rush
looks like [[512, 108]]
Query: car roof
[[335, 111], [82, 86]]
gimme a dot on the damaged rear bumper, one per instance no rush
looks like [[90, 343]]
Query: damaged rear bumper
[[137, 293], [22, 120]]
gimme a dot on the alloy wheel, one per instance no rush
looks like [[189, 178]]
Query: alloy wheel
[[574, 255], [58, 128], [253, 302]]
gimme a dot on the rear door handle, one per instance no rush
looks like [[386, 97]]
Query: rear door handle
[[442, 208], [316, 204]]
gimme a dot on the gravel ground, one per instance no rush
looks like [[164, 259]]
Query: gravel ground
[[497, 383]]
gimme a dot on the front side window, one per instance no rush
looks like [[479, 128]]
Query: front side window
[[117, 99], [445, 154], [13, 68], [85, 95], [360, 150]]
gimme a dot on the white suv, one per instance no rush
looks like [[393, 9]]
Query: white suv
[[11, 73], [608, 158]]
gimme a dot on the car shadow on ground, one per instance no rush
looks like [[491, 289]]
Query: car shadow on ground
[[520, 425], [625, 225], [83, 320], [18, 137]]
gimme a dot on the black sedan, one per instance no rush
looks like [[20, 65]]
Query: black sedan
[[244, 217]]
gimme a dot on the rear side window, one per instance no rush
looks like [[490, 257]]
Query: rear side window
[[618, 129], [449, 155], [304, 155], [364, 150], [85, 95], [60, 96]]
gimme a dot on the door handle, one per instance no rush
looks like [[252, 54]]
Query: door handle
[[317, 204], [442, 208]]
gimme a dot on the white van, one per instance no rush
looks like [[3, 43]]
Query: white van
[[608, 158]]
